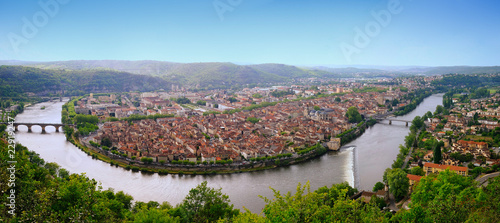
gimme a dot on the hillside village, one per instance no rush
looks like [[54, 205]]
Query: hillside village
[[461, 128], [470, 135], [460, 136]]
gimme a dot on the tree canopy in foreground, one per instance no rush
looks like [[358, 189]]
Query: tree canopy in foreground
[[47, 193]]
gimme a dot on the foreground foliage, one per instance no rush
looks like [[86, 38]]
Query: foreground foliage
[[47, 193], [449, 197]]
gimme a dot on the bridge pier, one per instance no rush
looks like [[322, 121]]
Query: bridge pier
[[42, 125], [406, 124], [390, 122]]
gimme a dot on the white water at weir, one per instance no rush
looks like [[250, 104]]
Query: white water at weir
[[361, 163]]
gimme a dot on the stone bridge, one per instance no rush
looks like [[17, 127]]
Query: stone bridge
[[393, 120], [43, 125]]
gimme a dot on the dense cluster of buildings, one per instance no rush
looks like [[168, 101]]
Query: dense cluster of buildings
[[195, 135], [468, 119], [464, 120]]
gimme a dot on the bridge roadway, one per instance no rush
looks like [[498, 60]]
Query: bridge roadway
[[43, 125], [385, 117]]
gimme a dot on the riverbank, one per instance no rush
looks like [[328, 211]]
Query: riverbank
[[378, 147], [197, 169], [354, 133], [360, 167], [192, 168]]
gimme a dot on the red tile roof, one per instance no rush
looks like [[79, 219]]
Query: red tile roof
[[444, 167], [415, 178]]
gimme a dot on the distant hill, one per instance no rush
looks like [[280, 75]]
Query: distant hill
[[284, 70], [204, 75], [16, 80], [360, 72], [392, 71], [225, 75], [461, 70]]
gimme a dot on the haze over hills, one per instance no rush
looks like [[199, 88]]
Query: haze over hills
[[17, 80], [200, 75], [211, 75]]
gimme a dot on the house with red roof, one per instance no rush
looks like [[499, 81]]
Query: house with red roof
[[436, 168]]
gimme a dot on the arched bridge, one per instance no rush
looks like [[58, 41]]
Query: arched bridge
[[43, 125], [393, 120], [386, 116]]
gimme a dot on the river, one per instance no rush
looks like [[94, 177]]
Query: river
[[361, 163]]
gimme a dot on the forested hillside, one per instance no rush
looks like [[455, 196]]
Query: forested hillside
[[17, 80], [192, 75], [467, 81], [462, 70], [226, 75]]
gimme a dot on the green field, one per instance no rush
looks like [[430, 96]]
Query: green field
[[478, 138]]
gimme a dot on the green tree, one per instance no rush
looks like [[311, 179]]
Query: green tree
[[52, 167], [183, 100], [398, 183], [153, 215], [146, 159], [336, 191], [445, 197], [324, 205], [337, 99], [3, 127], [410, 140], [247, 217], [63, 173], [257, 95], [314, 88], [417, 171], [439, 110], [81, 119], [427, 115], [232, 99], [125, 199], [416, 124], [106, 142], [395, 102], [489, 208], [253, 120], [317, 108], [353, 115], [200, 102], [378, 186], [78, 199], [438, 152], [205, 204]]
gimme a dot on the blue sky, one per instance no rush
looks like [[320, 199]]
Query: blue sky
[[322, 32]]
